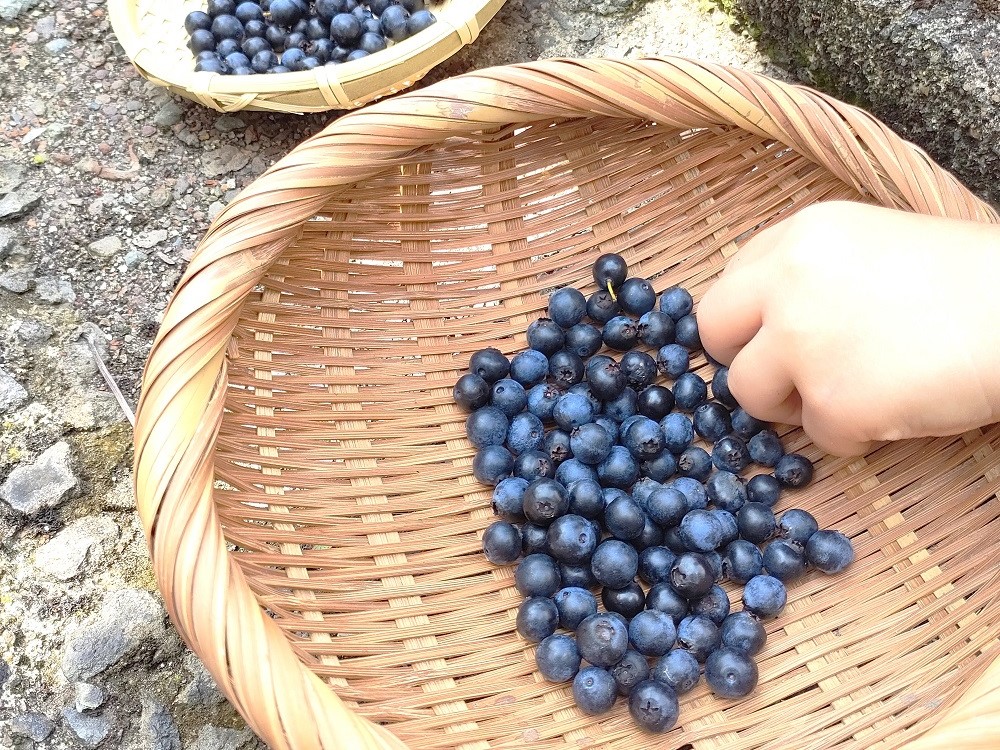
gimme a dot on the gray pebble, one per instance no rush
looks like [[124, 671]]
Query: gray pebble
[[226, 123], [17, 280], [12, 176], [54, 290], [89, 697], [202, 689], [34, 726], [169, 114], [224, 160], [34, 332], [12, 393], [63, 556], [134, 258], [157, 728], [49, 481], [11, 9], [216, 738], [92, 730], [106, 247], [150, 239], [8, 241], [17, 204], [57, 46]]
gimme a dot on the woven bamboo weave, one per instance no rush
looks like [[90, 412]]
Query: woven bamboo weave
[[153, 36], [303, 474]]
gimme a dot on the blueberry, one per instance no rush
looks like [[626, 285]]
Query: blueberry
[[655, 402], [338, 55], [279, 69], [656, 329], [584, 340], [525, 433], [566, 368], [508, 499], [628, 601], [744, 425], [502, 543], [673, 360], [829, 551], [327, 9], [797, 525], [651, 536], [357, 54], [619, 469], [537, 618], [653, 706], [620, 333], [537, 575], [667, 506], [567, 306], [742, 561], [690, 391], [763, 488], [694, 491], [611, 494], [655, 564], [711, 421], [492, 464], [490, 364], [471, 391], [678, 432], [546, 336], [764, 596], [678, 669], [197, 20], [642, 489], [509, 397], [660, 468], [727, 491], [639, 369], [701, 530], [731, 673], [744, 632], [730, 454], [542, 400], [793, 470], [612, 268], [636, 296], [211, 65], [558, 658], [221, 7], [585, 498], [784, 560], [557, 445], [664, 598], [394, 20], [698, 635], [602, 307], [757, 523], [730, 528], [292, 58], [228, 27], [572, 539], [614, 564], [643, 438], [202, 40], [285, 12], [623, 407], [627, 423], [544, 501], [694, 462], [691, 576], [676, 302], [296, 40], [714, 605], [532, 465], [686, 332], [577, 576], [571, 470], [534, 539], [277, 36], [529, 367], [606, 379], [630, 671], [419, 20], [591, 443], [244, 70], [237, 60], [602, 639], [573, 410], [714, 560], [253, 46], [652, 632], [720, 388], [765, 448], [583, 389], [371, 42], [574, 604], [624, 519], [378, 6], [594, 690]]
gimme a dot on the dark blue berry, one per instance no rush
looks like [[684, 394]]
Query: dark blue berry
[[537, 575], [577, 576], [643, 438], [730, 528], [630, 671], [660, 468], [418, 20], [490, 364], [695, 463], [691, 576], [571, 470], [537, 618], [620, 333], [664, 598], [743, 631], [210, 65], [602, 307], [529, 367], [606, 379], [197, 20], [701, 530], [612, 268], [573, 410], [378, 6], [557, 445], [508, 499], [651, 536], [720, 388], [327, 9], [678, 669], [534, 539], [502, 543], [714, 605], [624, 519], [693, 490], [690, 391], [237, 60], [202, 40], [262, 62], [698, 635], [642, 489], [829, 551], [584, 340], [763, 488], [639, 369], [656, 329], [228, 27], [652, 632], [586, 499], [572, 539], [614, 564], [785, 560], [221, 7], [714, 560], [558, 658], [742, 561], [673, 360], [686, 332], [623, 407], [655, 402], [619, 469], [544, 501], [575, 604], [731, 673], [676, 302], [277, 36], [655, 564], [636, 296], [285, 12], [653, 706], [666, 506], [532, 465], [591, 443], [594, 690], [744, 425], [602, 639], [345, 29], [471, 391], [567, 306], [628, 601], [797, 525], [372, 41], [764, 596], [678, 432], [542, 400], [525, 433], [756, 522], [546, 336], [727, 491], [492, 463], [730, 454], [583, 389], [711, 421], [765, 448], [566, 368], [793, 470]]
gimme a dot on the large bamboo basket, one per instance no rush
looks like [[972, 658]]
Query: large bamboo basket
[[304, 477], [153, 36]]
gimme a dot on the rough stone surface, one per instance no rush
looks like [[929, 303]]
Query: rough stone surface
[[65, 554], [17, 204], [33, 725], [17, 280], [106, 247], [43, 484], [930, 70], [88, 696], [11, 9], [54, 290], [92, 730], [12, 393], [157, 727], [219, 738]]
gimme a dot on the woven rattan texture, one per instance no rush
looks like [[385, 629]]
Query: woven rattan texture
[[152, 33], [347, 289]]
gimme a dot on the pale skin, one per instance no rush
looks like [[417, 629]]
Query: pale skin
[[862, 324]]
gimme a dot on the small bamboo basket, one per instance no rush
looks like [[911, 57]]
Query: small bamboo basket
[[153, 36], [304, 477]]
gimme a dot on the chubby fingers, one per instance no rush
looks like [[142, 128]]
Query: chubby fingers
[[762, 384]]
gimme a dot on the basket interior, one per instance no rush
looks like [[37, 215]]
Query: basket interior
[[345, 477]]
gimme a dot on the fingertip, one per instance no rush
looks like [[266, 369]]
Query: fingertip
[[832, 441]]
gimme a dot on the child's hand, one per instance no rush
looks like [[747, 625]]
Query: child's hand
[[862, 324]]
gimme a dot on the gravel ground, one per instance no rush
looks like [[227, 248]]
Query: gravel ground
[[106, 185]]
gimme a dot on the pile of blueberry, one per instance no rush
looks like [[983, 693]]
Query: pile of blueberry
[[244, 37], [616, 488]]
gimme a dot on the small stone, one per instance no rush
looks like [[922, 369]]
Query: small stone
[[160, 197], [215, 209], [17, 204], [227, 123], [157, 727], [92, 730], [89, 697], [180, 187], [12, 176], [46, 27], [134, 259], [54, 290], [202, 690], [106, 247], [147, 240], [57, 46], [120, 497], [129, 620], [17, 280], [8, 241], [169, 114], [87, 409], [11, 9], [588, 34], [224, 160], [34, 332], [133, 105], [63, 556], [49, 481], [216, 738], [12, 393], [34, 726]]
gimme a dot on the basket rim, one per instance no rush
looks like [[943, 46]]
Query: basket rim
[[459, 24], [175, 441]]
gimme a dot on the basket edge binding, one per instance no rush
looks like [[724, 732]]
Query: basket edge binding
[[344, 87], [184, 381]]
